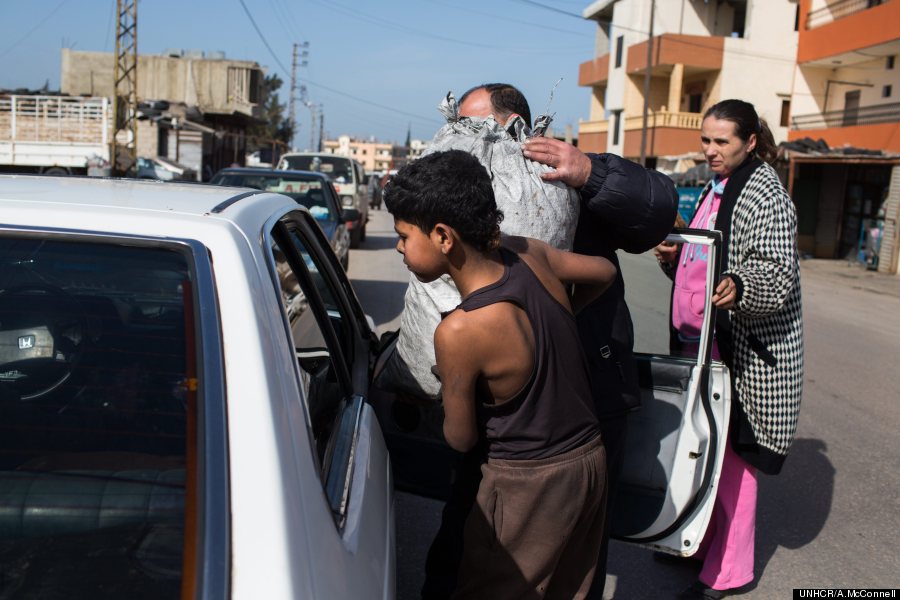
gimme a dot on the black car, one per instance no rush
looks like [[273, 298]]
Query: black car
[[313, 190]]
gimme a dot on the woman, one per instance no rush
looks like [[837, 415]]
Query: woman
[[758, 327]]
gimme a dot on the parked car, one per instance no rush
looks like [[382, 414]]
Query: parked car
[[349, 180], [163, 169], [312, 190], [183, 380], [185, 407]]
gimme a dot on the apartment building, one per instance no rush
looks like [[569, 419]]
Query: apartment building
[[374, 156], [702, 51], [847, 94], [194, 107]]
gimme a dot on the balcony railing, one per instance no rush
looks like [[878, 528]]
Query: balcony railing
[[838, 10], [679, 120], [864, 115]]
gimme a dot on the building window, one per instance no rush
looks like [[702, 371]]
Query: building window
[[889, 62], [886, 91], [695, 103], [238, 83], [739, 21], [617, 117], [785, 113], [620, 43]]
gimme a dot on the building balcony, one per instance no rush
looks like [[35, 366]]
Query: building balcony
[[844, 26], [668, 133], [848, 117], [697, 53], [594, 72], [838, 9], [873, 127]]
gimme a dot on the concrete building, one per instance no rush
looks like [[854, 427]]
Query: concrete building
[[702, 52], [846, 87], [195, 108], [374, 156], [847, 80], [416, 148]]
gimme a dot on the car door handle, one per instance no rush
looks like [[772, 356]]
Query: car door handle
[[695, 455]]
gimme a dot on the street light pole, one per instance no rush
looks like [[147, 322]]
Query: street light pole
[[647, 86]]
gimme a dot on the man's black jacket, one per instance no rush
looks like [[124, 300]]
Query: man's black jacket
[[624, 206]]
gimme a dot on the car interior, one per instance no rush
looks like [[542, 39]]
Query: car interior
[[96, 393]]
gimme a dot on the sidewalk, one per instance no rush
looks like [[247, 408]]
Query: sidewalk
[[851, 275]]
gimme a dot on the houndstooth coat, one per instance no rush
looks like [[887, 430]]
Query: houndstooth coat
[[761, 338]]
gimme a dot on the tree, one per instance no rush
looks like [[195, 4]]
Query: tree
[[277, 124]]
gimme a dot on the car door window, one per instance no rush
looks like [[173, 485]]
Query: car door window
[[323, 343]]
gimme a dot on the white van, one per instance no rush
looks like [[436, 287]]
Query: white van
[[349, 179]]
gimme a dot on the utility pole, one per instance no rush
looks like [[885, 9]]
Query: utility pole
[[124, 138], [321, 127], [647, 86], [298, 59]]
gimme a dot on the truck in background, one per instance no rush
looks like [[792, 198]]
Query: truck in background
[[54, 135]]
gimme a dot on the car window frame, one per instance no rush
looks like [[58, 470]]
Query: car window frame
[[209, 577], [336, 470]]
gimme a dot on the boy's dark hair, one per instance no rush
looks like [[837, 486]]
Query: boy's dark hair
[[506, 99], [449, 187]]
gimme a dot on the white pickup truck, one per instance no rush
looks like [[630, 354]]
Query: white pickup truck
[[54, 135]]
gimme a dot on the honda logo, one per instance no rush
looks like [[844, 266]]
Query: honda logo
[[26, 342]]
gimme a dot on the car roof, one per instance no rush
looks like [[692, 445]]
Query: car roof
[[71, 193], [268, 171]]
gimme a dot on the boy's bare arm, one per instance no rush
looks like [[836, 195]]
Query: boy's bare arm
[[458, 367], [570, 267]]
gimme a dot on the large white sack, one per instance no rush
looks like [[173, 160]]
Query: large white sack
[[531, 207]]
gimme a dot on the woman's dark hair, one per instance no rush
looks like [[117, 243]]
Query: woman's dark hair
[[449, 187], [747, 122]]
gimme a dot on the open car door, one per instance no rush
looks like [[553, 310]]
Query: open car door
[[676, 440]]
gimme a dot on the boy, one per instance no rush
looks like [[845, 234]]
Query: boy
[[512, 374]]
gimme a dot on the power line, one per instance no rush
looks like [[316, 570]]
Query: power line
[[287, 72], [262, 38], [33, 29], [551, 8], [357, 14], [507, 19]]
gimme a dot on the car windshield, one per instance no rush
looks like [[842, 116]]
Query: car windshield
[[309, 191], [338, 168], [97, 388]]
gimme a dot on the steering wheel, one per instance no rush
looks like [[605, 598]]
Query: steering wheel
[[43, 334]]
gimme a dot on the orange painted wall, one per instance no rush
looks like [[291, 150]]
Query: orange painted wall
[[671, 48], [594, 71], [662, 141], [592, 142], [866, 28], [885, 136]]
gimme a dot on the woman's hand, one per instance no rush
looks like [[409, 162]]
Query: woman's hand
[[666, 253], [725, 296]]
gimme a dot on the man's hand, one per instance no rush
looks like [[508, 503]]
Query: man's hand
[[573, 167], [725, 295]]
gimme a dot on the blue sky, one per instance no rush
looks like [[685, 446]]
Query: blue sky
[[401, 54]]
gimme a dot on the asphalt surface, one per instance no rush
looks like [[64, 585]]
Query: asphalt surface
[[830, 519]]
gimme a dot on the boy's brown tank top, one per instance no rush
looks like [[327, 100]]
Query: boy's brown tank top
[[554, 412]]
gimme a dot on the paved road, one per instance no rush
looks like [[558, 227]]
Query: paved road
[[831, 519]]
